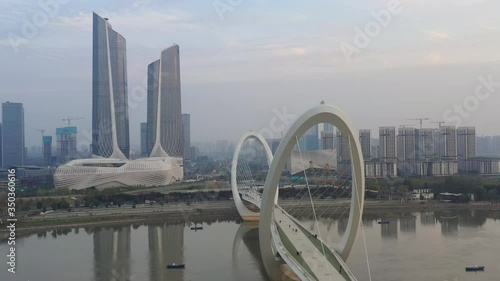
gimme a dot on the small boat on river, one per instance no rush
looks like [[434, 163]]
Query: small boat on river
[[175, 265], [474, 268]]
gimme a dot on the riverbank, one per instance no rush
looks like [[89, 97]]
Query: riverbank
[[214, 211]]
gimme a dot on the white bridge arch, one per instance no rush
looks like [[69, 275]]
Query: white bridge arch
[[319, 114], [244, 212]]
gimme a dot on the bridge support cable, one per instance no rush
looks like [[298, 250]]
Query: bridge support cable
[[362, 228], [336, 199], [314, 211]]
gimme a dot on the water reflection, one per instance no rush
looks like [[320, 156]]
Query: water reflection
[[166, 245], [248, 233], [389, 230], [408, 224], [111, 253], [143, 249], [427, 218]]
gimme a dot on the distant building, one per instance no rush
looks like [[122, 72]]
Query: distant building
[[110, 133], [110, 136], [165, 131], [310, 140], [327, 136], [222, 148], [327, 140], [47, 150], [327, 127], [342, 146], [406, 144], [466, 146], [66, 144], [441, 168], [273, 144], [144, 139], [406, 150], [424, 144], [186, 128], [448, 143], [488, 146], [343, 153], [483, 165], [366, 145], [13, 148], [387, 146], [195, 152], [380, 169]]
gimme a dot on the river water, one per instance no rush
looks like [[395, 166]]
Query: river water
[[414, 246]]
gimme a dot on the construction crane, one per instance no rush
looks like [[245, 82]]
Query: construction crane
[[69, 119], [406, 125], [439, 123], [41, 130], [420, 119]]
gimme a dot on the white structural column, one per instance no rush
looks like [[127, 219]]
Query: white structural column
[[319, 114], [244, 212], [158, 150], [117, 153]]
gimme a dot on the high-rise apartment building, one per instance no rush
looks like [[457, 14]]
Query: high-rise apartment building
[[310, 140], [110, 121], [186, 128], [406, 144], [387, 145], [425, 144], [343, 148], [366, 145], [12, 134], [47, 150], [327, 136], [66, 144], [466, 146], [447, 143], [164, 105], [327, 140]]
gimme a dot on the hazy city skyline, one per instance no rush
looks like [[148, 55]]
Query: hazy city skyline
[[412, 69]]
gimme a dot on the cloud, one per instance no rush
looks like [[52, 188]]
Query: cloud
[[134, 20], [489, 25], [433, 34], [434, 57]]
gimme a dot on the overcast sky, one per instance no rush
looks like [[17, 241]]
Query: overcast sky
[[239, 64]]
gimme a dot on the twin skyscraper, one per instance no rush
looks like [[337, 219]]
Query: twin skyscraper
[[110, 165], [110, 118]]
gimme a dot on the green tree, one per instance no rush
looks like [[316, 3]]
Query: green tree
[[492, 194], [481, 193]]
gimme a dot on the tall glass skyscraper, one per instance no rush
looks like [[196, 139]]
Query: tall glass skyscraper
[[165, 134], [12, 136], [110, 136], [186, 129], [152, 106]]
